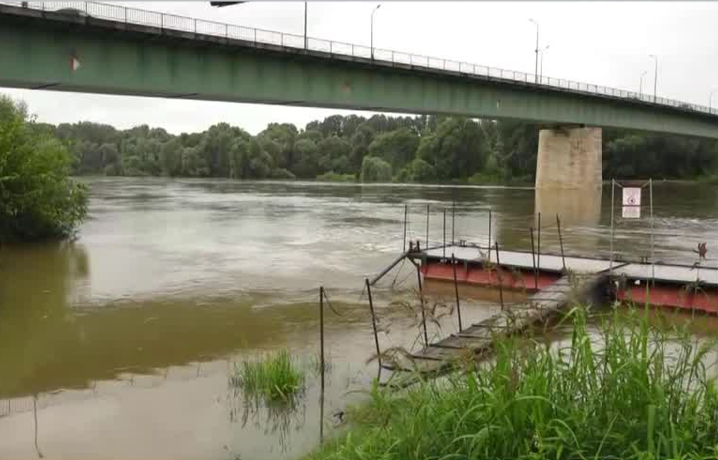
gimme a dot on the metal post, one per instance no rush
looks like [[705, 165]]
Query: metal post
[[456, 290], [489, 245], [321, 364], [610, 264], [373, 321], [538, 245], [444, 245], [453, 221], [305, 26], [427, 227], [321, 334], [406, 209], [560, 242], [533, 259], [498, 274], [421, 299], [653, 260]]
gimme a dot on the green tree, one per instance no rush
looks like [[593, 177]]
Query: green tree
[[38, 200], [375, 170], [306, 160], [171, 158], [421, 171], [334, 155], [455, 150], [398, 148]]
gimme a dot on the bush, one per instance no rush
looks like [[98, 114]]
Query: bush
[[38, 200], [281, 173], [331, 176], [481, 178], [375, 170], [628, 390], [422, 171]]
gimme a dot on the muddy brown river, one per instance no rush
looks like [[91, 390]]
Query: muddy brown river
[[121, 344]]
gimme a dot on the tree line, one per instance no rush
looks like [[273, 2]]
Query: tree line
[[375, 149]]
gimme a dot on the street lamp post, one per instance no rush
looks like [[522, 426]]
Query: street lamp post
[[372, 29], [537, 49], [655, 76], [640, 85], [543, 51], [305, 26]]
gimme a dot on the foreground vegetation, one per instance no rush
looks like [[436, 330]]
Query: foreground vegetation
[[377, 149], [38, 200], [627, 390], [273, 378]]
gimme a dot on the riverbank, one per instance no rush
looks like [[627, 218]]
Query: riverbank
[[617, 391]]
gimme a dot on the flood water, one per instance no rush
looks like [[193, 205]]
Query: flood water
[[121, 344]]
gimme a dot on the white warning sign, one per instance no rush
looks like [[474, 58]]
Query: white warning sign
[[631, 203], [631, 196], [631, 212]]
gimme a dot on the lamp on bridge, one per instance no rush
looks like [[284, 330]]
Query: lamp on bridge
[[655, 76], [372, 30], [536, 70], [543, 51]]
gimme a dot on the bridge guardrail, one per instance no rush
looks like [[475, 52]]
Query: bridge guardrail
[[218, 29]]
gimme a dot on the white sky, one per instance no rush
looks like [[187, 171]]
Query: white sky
[[606, 43]]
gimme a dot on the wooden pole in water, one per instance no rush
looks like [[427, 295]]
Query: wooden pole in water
[[456, 290], [427, 227], [498, 274], [421, 299], [444, 245], [406, 210], [560, 241], [373, 321], [321, 363], [533, 259]]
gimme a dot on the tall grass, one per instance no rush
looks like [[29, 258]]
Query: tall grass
[[626, 390], [274, 378]]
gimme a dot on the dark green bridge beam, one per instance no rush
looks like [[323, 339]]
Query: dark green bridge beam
[[36, 50]]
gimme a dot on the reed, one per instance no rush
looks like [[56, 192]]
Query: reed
[[275, 377], [619, 389]]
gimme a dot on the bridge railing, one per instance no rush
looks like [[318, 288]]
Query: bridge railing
[[230, 31]]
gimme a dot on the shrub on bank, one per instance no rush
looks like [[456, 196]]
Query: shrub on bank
[[331, 176], [38, 200], [626, 390]]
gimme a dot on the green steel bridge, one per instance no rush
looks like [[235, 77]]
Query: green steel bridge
[[101, 48]]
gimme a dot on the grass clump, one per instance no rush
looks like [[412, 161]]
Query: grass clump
[[273, 378], [626, 390]]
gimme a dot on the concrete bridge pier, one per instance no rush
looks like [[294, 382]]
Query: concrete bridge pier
[[569, 158]]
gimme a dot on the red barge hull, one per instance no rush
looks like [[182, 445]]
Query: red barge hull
[[671, 295]]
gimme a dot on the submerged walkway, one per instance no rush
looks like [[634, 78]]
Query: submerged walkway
[[443, 356]]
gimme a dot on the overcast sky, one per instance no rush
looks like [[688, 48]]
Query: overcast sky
[[595, 42]]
